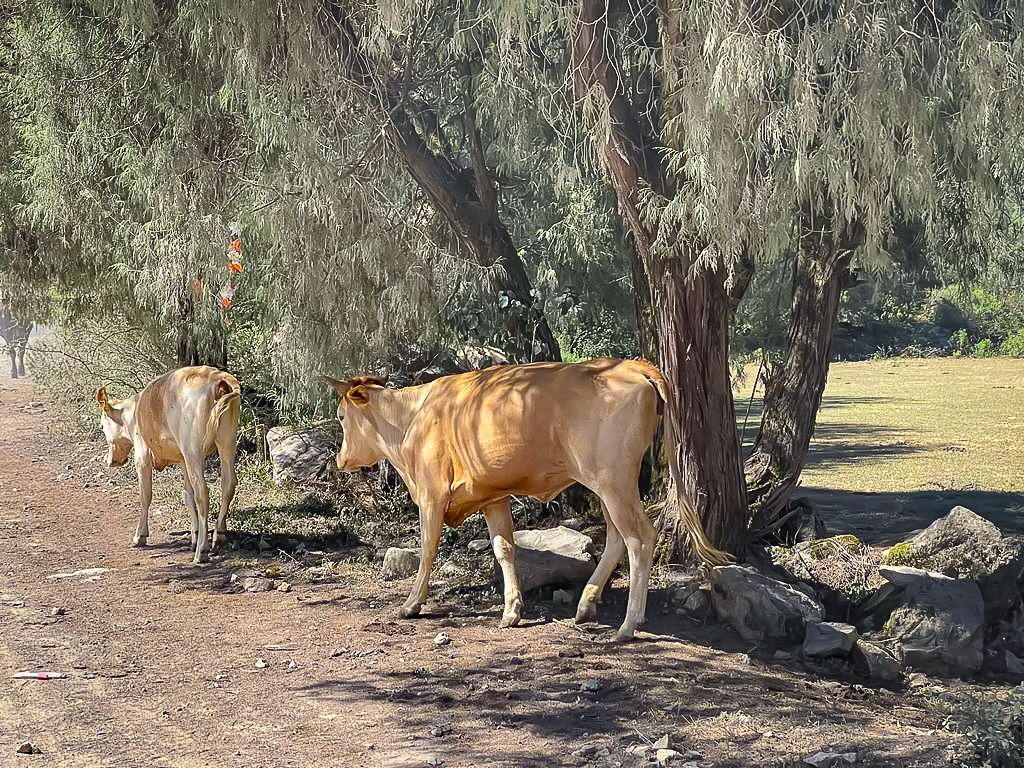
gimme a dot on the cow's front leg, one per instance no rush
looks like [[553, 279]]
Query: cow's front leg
[[431, 523], [145, 472], [190, 505], [201, 508], [499, 526], [14, 362]]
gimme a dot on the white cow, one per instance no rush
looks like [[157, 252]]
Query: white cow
[[179, 418]]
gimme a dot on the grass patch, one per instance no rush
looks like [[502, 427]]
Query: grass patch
[[916, 425]]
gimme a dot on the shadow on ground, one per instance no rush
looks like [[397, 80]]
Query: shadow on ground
[[886, 518]]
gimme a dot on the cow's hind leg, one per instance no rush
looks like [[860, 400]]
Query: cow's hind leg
[[145, 473], [228, 481], [431, 523], [499, 526], [14, 361], [627, 514], [614, 549], [201, 493]]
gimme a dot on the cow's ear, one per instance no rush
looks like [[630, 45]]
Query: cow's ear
[[341, 387], [102, 399], [358, 395]]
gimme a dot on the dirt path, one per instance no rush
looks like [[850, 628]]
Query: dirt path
[[167, 664]]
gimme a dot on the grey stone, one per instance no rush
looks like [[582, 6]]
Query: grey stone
[[400, 563], [303, 455], [875, 662], [479, 546], [762, 608], [965, 545], [940, 624], [831, 759], [553, 557], [824, 639]]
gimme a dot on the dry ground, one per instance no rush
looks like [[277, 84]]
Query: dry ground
[[169, 664]]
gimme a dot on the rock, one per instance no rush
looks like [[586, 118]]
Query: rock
[[831, 759], [1003, 662], [940, 624], [824, 639], [668, 757], [257, 584], [400, 563], [591, 686], [552, 557], [873, 661], [964, 545], [762, 608], [479, 546], [442, 638], [663, 743], [303, 455], [28, 748], [563, 597], [587, 751]]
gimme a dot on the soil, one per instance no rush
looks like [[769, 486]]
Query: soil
[[164, 663]]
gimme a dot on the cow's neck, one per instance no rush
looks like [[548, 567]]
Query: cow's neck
[[395, 409]]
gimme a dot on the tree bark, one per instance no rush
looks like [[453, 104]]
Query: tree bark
[[691, 311], [794, 388]]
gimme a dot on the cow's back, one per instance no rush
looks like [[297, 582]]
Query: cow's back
[[174, 411], [535, 429]]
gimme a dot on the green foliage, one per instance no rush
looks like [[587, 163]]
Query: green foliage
[[993, 727], [1013, 345], [898, 554], [959, 343]]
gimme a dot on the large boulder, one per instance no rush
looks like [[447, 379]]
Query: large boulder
[[963, 545], [939, 625], [303, 455], [553, 557], [762, 608]]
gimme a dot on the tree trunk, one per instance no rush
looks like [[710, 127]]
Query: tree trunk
[[692, 316], [190, 346], [794, 387], [691, 311]]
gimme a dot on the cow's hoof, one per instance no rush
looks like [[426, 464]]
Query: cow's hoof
[[139, 541], [624, 636], [201, 557], [408, 611], [509, 620], [586, 613]]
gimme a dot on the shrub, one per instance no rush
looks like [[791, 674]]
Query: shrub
[[984, 348], [993, 728], [1013, 345], [958, 343]]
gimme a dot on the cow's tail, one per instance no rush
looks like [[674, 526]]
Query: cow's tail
[[702, 546], [227, 396]]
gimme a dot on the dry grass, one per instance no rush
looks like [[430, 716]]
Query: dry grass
[[918, 425]]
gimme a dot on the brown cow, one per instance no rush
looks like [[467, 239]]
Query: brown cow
[[179, 418], [470, 441]]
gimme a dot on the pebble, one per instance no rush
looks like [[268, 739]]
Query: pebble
[[28, 748], [442, 638], [261, 663], [591, 686]]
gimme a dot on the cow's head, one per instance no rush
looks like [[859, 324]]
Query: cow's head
[[361, 441], [115, 418]]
